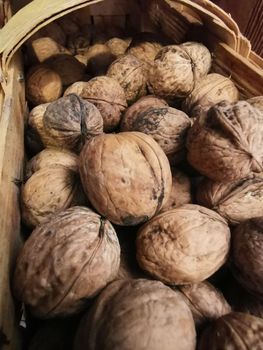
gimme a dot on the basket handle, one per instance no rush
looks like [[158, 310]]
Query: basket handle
[[28, 21]]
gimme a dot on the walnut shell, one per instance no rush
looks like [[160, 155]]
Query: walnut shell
[[35, 132], [247, 256], [106, 94], [201, 58], [139, 106], [236, 201], [68, 67], [51, 30], [70, 121], [172, 74], [118, 46], [235, 331], [183, 245], [180, 193], [210, 90], [99, 58], [205, 301], [78, 43], [130, 73], [126, 176], [43, 85], [167, 126], [226, 144], [44, 48], [137, 314], [257, 102], [81, 58], [49, 157], [48, 191], [65, 261]]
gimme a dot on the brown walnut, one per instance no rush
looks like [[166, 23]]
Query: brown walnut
[[126, 176], [137, 314], [66, 261]]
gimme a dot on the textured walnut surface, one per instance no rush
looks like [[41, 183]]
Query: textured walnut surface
[[130, 73], [167, 126], [106, 94], [49, 157], [226, 143], [205, 301], [181, 191], [126, 176], [247, 255], [48, 191], [235, 331], [236, 201], [117, 46], [144, 103], [208, 91], [70, 121], [66, 261], [137, 314], [183, 245]]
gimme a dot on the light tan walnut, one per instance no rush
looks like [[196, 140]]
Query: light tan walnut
[[183, 245]]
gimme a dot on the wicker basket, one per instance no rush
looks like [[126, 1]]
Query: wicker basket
[[178, 19]]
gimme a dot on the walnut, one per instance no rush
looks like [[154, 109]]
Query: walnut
[[49, 157], [257, 102], [180, 193], [43, 85], [145, 46], [99, 58], [139, 106], [233, 331], [82, 58], [236, 201], [51, 30], [66, 261], [183, 245], [68, 67], [106, 94], [78, 43], [249, 304], [48, 191], [126, 176], [167, 126], [200, 56], [44, 48], [205, 301], [118, 46], [70, 121], [130, 73], [226, 143], [210, 90], [137, 314], [177, 68], [35, 132], [247, 256]]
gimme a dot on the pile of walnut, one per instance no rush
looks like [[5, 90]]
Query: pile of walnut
[[146, 168]]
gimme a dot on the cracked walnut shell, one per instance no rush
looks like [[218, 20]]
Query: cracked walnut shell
[[66, 261], [126, 176], [183, 245]]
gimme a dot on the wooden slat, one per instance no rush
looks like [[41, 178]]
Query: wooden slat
[[11, 168]]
